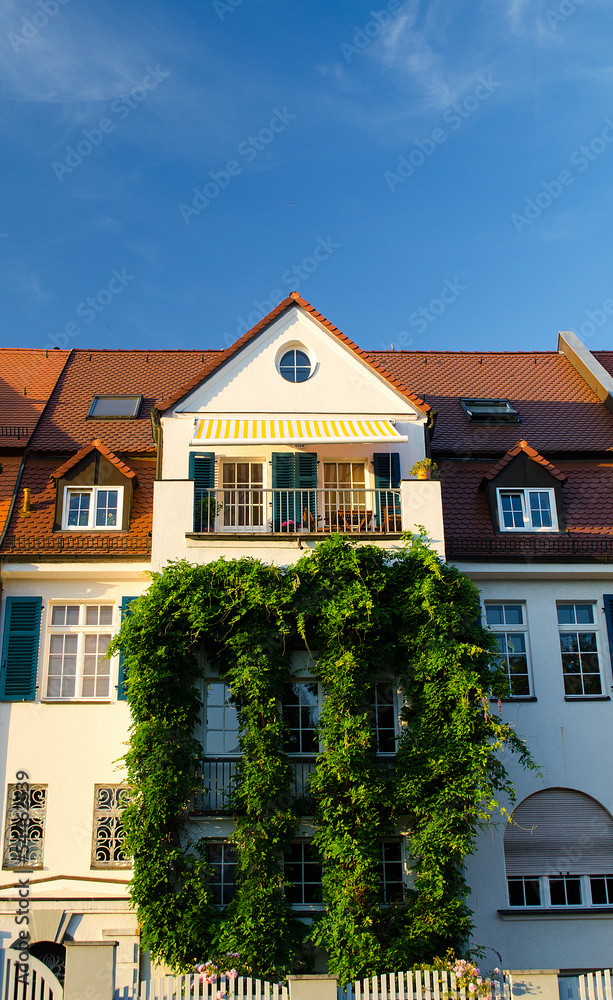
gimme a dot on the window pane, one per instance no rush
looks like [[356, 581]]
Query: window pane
[[557, 892], [533, 892], [513, 614], [494, 614], [512, 510], [540, 510], [115, 406], [599, 891], [516, 892], [78, 510], [585, 614], [566, 614], [106, 508]]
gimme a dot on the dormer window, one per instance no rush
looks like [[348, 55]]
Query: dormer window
[[94, 491], [114, 407], [497, 411], [92, 508], [527, 510]]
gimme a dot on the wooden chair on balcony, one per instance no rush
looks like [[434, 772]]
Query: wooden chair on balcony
[[353, 520]]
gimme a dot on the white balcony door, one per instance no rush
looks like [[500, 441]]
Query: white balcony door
[[243, 499]]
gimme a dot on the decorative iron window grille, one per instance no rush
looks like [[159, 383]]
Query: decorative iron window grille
[[24, 832], [107, 848]]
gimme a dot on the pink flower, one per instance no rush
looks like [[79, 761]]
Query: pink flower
[[232, 974], [479, 981], [472, 988], [220, 995]]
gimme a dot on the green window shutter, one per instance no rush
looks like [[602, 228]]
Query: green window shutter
[[283, 478], [388, 508], [202, 470], [306, 480], [122, 677], [381, 463], [608, 613], [20, 648]]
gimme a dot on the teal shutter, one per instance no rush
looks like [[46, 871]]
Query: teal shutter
[[293, 472], [202, 471], [122, 677], [283, 478], [608, 613], [387, 474], [20, 648], [306, 480]]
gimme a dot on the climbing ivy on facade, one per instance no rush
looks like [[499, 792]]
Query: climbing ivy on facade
[[363, 614]]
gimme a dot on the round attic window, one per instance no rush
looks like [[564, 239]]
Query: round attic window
[[295, 365]]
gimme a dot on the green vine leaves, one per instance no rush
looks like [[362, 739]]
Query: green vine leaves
[[365, 616]]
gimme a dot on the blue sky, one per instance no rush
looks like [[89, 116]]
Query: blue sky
[[182, 165]]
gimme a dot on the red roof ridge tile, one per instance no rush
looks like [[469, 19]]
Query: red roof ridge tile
[[96, 445], [532, 453], [295, 298]]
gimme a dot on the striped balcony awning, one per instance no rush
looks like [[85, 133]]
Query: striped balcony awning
[[294, 431]]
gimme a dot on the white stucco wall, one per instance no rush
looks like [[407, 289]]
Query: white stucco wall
[[572, 743], [70, 747]]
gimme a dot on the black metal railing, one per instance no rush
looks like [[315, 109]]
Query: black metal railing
[[257, 511], [537, 546], [216, 777], [57, 544]]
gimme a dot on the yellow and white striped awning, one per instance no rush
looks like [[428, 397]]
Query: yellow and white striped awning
[[294, 431]]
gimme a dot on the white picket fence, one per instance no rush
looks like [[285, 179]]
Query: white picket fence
[[195, 987], [420, 984], [591, 986]]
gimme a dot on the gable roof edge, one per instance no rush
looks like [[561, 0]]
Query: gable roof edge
[[295, 299], [532, 453], [96, 445]]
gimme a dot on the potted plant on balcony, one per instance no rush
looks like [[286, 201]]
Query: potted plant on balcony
[[425, 468], [206, 509]]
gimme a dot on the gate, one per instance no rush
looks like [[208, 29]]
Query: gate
[[41, 983], [195, 987]]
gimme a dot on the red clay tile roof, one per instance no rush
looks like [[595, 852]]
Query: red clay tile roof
[[34, 535], [587, 494], [558, 410], [606, 359], [295, 299], [27, 378], [534, 455], [152, 374], [8, 478], [96, 445]]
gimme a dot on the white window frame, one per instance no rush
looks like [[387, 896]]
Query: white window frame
[[525, 502], [249, 528], [578, 627], [503, 628], [545, 893], [304, 907], [302, 679], [80, 630], [230, 754], [93, 491], [397, 705]]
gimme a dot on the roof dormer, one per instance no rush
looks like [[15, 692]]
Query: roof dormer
[[524, 492]]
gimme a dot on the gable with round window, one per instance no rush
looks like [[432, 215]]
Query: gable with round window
[[295, 365]]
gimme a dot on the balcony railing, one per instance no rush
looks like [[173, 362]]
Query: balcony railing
[[216, 777], [256, 511], [547, 548]]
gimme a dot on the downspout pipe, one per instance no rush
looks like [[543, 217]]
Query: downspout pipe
[[158, 440]]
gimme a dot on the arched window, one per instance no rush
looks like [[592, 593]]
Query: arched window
[[558, 851]]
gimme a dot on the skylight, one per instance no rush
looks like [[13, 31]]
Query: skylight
[[115, 407], [490, 411]]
